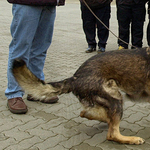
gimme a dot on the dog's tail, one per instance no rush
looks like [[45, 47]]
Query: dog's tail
[[37, 88]]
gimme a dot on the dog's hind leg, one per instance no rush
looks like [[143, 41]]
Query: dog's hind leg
[[111, 115], [115, 111]]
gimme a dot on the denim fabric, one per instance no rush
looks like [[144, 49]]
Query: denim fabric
[[32, 31]]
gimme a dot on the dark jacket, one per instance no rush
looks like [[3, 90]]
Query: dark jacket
[[130, 2], [38, 2], [96, 3]]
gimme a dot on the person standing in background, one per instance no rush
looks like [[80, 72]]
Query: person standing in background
[[102, 10], [32, 31], [130, 12]]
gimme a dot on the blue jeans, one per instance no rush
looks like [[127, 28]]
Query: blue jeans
[[32, 31]]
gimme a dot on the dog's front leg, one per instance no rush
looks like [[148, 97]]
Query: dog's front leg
[[114, 133]]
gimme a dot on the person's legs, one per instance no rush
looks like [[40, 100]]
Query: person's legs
[[124, 19], [138, 18], [40, 44], [102, 32], [23, 28], [42, 41], [89, 26]]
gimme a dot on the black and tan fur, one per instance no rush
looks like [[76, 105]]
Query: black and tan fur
[[97, 84]]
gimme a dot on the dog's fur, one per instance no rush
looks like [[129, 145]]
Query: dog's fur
[[97, 84]]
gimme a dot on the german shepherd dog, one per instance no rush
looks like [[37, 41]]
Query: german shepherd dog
[[97, 84]]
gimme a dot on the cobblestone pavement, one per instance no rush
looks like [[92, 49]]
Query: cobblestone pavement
[[58, 126]]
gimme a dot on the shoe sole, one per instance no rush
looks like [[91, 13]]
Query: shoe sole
[[100, 52], [90, 51], [23, 111]]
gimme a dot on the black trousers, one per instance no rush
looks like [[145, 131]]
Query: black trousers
[[90, 23], [134, 15]]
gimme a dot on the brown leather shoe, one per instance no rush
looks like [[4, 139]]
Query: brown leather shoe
[[17, 105], [49, 101]]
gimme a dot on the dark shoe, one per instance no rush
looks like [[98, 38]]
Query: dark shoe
[[101, 50], [90, 49], [17, 105], [49, 101]]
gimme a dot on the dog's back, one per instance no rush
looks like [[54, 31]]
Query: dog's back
[[130, 69]]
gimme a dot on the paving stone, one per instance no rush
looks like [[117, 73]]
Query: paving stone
[[31, 124], [128, 104], [41, 133], [79, 119], [139, 147], [58, 147], [132, 127], [16, 134], [91, 131], [143, 109], [3, 137], [127, 113], [24, 119], [70, 124], [101, 126], [5, 143], [91, 122], [68, 133], [50, 142], [97, 138], [144, 133], [74, 140], [45, 116], [54, 108], [85, 147], [52, 123], [135, 117], [33, 148], [127, 132], [144, 122], [147, 118], [109, 145], [65, 114], [24, 144], [9, 123]]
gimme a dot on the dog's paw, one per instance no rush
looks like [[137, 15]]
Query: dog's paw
[[133, 140], [137, 141]]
